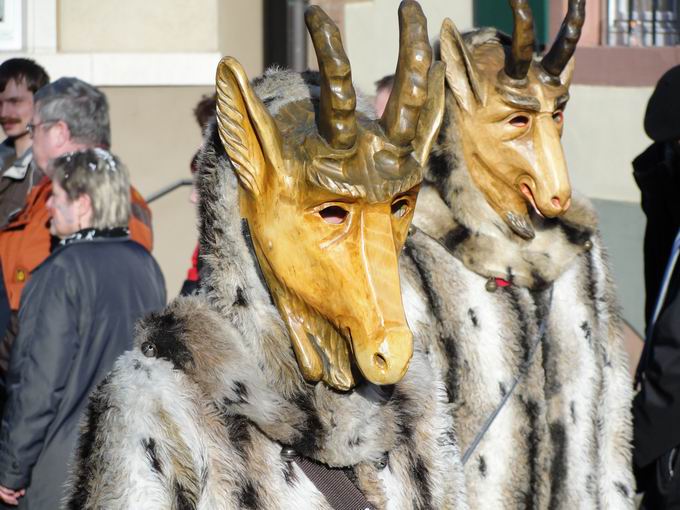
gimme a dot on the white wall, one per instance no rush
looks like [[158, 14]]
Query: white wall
[[372, 34], [603, 133], [138, 26]]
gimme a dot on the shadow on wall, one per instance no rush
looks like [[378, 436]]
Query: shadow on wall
[[623, 227]]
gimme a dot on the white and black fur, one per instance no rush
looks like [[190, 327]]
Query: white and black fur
[[563, 438], [195, 417]]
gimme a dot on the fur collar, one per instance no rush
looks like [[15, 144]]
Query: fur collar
[[452, 209], [338, 429]]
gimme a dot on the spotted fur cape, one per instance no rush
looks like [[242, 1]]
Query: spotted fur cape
[[195, 417], [563, 438]]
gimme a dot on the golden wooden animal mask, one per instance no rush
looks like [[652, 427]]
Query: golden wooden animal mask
[[329, 195], [509, 107]]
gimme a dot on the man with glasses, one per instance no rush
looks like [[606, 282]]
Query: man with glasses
[[20, 78], [70, 115]]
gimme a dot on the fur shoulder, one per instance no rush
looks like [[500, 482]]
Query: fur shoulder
[[143, 434]]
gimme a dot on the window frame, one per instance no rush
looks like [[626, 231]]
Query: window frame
[[622, 66]]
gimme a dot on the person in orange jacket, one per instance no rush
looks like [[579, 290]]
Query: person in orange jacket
[[70, 115]]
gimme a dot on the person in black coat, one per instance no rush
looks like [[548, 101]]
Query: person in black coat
[[657, 173], [656, 407], [656, 410], [77, 316]]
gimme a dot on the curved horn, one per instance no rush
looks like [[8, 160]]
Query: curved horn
[[567, 38], [518, 60], [400, 118], [337, 101]]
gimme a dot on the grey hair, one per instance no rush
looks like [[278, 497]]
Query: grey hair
[[100, 175], [81, 106]]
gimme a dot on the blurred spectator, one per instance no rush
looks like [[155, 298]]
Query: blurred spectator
[[20, 78], [5, 311], [77, 316], [204, 113], [383, 89], [656, 407], [69, 115]]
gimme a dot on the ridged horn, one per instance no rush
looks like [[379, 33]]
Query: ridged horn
[[518, 60], [567, 38], [400, 118], [337, 99]]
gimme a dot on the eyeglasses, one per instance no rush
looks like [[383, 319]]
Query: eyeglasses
[[30, 127]]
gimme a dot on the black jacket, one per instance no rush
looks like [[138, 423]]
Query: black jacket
[[657, 173], [656, 408], [76, 317]]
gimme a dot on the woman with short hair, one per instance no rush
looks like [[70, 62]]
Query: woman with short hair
[[76, 317]]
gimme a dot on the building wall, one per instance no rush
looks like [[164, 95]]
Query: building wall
[[155, 135], [372, 34], [134, 26], [240, 33], [603, 134]]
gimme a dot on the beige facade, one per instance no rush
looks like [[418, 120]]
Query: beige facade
[[603, 133], [155, 134], [372, 34], [134, 26], [228, 27]]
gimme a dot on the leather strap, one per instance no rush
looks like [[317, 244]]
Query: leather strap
[[333, 483], [524, 368]]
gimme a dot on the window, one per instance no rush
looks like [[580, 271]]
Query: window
[[643, 23]]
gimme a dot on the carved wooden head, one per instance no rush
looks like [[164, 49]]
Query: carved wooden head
[[509, 107], [329, 195]]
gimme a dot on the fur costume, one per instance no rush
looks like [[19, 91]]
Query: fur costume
[[562, 439], [196, 415]]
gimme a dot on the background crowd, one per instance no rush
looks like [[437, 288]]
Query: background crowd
[[77, 272]]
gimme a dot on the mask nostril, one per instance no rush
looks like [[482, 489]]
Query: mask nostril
[[379, 361], [556, 202]]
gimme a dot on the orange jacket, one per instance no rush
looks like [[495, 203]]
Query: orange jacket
[[25, 241]]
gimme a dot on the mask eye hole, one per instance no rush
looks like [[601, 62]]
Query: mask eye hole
[[519, 121], [334, 214], [400, 207], [558, 117]]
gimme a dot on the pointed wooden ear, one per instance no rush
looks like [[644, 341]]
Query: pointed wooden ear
[[247, 130], [462, 76], [431, 115]]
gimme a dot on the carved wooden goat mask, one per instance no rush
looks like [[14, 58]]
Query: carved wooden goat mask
[[509, 112], [329, 195]]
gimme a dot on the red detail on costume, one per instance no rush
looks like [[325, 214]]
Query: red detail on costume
[[502, 283], [192, 274]]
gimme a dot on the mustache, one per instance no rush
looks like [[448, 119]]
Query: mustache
[[4, 120]]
